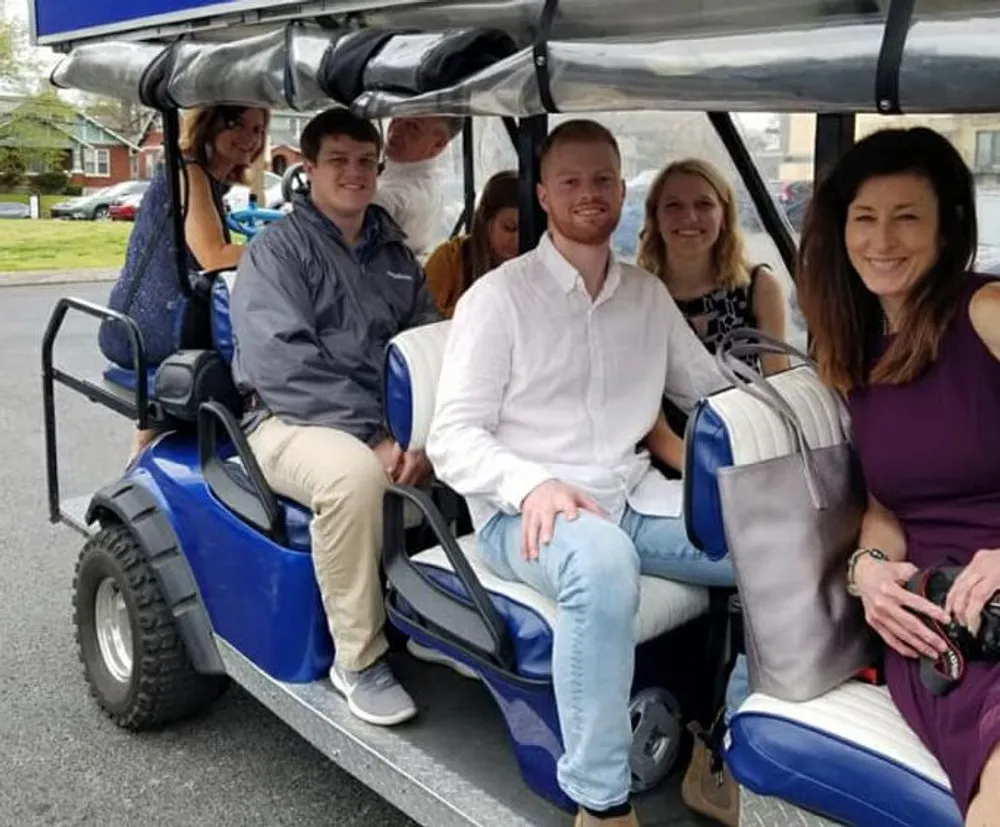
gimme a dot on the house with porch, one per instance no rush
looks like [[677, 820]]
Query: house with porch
[[62, 138]]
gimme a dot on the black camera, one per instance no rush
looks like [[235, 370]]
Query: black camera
[[944, 673]]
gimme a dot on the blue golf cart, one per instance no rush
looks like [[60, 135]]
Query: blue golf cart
[[194, 574]]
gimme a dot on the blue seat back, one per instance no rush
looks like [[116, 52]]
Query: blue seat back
[[412, 367], [732, 427], [222, 326], [125, 378]]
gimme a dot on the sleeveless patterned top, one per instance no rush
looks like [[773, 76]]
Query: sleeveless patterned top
[[713, 315]]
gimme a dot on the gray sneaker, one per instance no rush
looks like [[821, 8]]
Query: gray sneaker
[[374, 695]]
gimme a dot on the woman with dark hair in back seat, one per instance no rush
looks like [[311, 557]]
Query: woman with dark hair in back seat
[[457, 263], [903, 327], [218, 145]]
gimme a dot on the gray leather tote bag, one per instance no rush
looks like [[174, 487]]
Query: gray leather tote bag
[[791, 522]]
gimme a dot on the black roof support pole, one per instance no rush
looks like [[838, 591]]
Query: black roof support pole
[[469, 171], [171, 154], [531, 219], [834, 136], [770, 214]]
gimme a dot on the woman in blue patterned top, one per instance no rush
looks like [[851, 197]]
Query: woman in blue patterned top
[[218, 145]]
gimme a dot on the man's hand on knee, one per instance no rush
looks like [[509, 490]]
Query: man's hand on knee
[[390, 456], [540, 509], [413, 469], [402, 467]]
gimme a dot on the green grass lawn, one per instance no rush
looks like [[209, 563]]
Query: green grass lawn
[[62, 246]]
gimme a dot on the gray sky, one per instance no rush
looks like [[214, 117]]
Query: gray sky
[[11, 9]]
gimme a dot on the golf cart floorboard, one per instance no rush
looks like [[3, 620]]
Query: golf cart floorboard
[[73, 513], [452, 766], [763, 811]]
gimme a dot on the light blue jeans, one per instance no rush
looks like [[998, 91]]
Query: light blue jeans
[[591, 569]]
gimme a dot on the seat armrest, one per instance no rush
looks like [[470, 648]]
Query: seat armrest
[[471, 624], [258, 507]]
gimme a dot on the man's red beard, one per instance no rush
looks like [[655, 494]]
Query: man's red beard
[[590, 233]]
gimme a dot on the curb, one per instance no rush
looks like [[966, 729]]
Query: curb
[[30, 278]]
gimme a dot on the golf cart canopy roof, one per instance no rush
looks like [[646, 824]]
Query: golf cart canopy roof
[[526, 57]]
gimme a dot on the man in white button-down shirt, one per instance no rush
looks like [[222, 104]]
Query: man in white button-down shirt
[[555, 370]]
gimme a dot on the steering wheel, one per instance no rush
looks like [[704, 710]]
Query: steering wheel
[[248, 221], [294, 181]]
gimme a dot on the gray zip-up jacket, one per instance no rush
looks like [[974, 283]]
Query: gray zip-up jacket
[[311, 318]]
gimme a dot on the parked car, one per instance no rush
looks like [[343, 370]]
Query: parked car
[[239, 196], [14, 209], [95, 207], [794, 197], [125, 208]]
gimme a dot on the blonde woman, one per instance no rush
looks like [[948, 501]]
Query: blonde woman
[[691, 240]]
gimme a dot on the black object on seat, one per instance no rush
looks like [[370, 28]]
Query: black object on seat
[[186, 379], [195, 323]]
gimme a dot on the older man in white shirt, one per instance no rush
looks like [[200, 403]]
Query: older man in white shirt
[[409, 187], [554, 371]]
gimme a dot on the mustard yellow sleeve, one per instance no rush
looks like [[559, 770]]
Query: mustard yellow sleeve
[[443, 270]]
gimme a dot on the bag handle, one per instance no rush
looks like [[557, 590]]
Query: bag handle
[[751, 337], [744, 341], [758, 387], [748, 341]]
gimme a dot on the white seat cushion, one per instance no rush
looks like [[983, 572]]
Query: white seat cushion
[[412, 367], [530, 615], [848, 755], [731, 428]]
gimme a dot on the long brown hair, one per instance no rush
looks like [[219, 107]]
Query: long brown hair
[[728, 256], [202, 125], [842, 315], [500, 193]]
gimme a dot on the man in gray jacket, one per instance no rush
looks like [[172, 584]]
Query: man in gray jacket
[[317, 297]]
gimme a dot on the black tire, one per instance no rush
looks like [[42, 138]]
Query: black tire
[[100, 213], [162, 686]]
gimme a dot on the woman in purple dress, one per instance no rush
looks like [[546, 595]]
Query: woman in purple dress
[[911, 336]]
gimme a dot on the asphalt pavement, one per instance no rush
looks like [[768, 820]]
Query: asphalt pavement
[[61, 761]]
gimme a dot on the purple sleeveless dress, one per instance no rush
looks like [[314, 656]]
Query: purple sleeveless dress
[[930, 452]]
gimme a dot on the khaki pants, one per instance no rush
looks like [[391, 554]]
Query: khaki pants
[[342, 481]]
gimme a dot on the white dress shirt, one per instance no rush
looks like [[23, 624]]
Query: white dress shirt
[[539, 381], [411, 193]]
